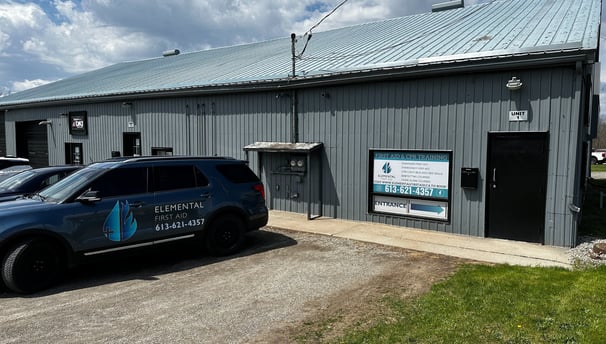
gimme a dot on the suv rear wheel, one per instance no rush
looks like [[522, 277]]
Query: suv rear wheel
[[31, 265], [225, 235]]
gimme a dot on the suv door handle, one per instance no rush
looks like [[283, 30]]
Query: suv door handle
[[206, 195], [137, 204]]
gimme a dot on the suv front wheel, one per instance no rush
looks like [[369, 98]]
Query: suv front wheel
[[225, 235], [31, 265]]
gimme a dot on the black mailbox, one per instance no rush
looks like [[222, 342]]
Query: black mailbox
[[469, 177]]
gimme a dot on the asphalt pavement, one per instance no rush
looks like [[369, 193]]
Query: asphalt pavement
[[461, 246]]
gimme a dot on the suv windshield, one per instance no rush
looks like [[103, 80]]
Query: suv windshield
[[66, 187], [14, 182]]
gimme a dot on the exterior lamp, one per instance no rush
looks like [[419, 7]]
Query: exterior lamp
[[514, 84]]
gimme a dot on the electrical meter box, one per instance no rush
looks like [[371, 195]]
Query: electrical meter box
[[469, 177]]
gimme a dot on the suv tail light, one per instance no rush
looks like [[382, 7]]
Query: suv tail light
[[259, 188]]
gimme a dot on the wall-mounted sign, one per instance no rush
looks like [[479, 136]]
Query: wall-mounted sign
[[518, 116], [410, 207], [78, 124], [410, 183]]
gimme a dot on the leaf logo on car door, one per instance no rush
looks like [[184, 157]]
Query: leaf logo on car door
[[120, 224]]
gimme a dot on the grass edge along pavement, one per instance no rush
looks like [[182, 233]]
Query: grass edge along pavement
[[494, 303], [497, 304]]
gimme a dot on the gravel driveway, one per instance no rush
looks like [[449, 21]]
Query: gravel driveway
[[177, 295]]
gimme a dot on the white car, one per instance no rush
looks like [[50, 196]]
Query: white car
[[598, 157], [9, 166]]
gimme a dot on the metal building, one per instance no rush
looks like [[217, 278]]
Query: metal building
[[474, 120]]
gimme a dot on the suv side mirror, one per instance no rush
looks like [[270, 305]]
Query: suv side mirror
[[89, 197]]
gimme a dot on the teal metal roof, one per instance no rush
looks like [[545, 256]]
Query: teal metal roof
[[497, 29]]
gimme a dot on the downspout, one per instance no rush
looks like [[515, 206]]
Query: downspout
[[294, 118]]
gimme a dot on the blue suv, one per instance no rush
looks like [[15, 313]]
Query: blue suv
[[126, 203]]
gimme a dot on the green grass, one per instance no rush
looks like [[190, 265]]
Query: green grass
[[498, 304], [598, 168]]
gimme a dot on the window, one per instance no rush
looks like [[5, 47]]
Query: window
[[121, 182], [52, 179], [161, 151], [178, 177], [237, 173]]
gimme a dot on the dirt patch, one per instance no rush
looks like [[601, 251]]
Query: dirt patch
[[406, 274]]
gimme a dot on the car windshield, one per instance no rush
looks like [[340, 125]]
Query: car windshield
[[14, 182], [66, 187]]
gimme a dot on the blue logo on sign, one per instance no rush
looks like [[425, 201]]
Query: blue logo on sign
[[386, 168], [120, 224]]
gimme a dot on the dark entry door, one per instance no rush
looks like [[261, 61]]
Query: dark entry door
[[517, 179], [131, 144], [73, 153], [32, 142]]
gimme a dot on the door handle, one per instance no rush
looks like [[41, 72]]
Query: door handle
[[206, 195], [136, 204], [494, 178]]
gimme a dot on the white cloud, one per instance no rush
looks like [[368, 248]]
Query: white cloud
[[16, 22], [26, 84], [82, 42], [15, 15]]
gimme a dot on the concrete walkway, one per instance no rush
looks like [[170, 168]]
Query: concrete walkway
[[480, 249]]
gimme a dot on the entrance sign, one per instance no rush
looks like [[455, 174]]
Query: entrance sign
[[410, 183], [410, 207]]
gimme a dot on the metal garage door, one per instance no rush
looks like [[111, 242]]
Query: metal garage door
[[32, 142]]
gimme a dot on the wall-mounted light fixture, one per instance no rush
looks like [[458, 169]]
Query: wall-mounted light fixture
[[325, 95], [514, 84], [127, 105], [45, 122]]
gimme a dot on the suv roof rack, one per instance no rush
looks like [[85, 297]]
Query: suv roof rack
[[167, 157]]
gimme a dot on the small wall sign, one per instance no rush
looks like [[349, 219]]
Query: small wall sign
[[78, 124], [518, 116]]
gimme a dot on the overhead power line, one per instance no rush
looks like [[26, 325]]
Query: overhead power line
[[309, 32], [417, 37], [327, 15]]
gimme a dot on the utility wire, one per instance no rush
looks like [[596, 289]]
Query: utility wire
[[309, 34], [328, 15], [393, 46]]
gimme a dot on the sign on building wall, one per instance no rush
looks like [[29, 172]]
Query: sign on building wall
[[78, 124], [518, 116], [410, 183]]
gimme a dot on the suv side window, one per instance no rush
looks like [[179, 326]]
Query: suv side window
[[178, 177], [237, 173], [121, 182]]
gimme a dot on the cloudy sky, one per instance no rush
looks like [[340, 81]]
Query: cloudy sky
[[47, 40]]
